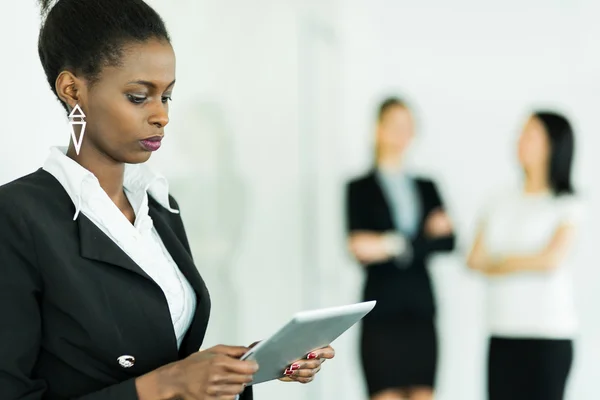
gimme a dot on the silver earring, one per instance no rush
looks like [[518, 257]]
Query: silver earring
[[77, 117]]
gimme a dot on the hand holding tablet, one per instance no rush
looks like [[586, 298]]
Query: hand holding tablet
[[295, 352], [304, 371]]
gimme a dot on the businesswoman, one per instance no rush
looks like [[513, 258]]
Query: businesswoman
[[523, 246], [99, 296], [395, 221]]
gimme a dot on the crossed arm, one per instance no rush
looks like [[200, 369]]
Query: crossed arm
[[545, 260], [373, 247]]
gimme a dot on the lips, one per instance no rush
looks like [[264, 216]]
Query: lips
[[154, 139], [151, 143]]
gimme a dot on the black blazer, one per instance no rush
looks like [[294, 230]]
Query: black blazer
[[400, 290], [72, 302]]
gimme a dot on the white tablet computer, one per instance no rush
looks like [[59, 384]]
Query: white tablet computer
[[307, 331]]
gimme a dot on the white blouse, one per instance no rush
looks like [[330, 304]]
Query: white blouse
[[530, 304], [139, 241]]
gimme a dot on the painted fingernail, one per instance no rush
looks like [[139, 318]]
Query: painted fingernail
[[311, 356], [294, 367], [288, 372]]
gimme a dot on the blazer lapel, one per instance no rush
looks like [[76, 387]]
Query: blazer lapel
[[96, 245], [424, 207], [184, 261]]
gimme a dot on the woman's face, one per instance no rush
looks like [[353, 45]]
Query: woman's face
[[534, 145], [395, 130], [128, 104]]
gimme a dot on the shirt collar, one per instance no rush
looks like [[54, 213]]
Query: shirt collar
[[399, 175], [78, 181]]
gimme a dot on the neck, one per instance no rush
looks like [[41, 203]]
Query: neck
[[390, 162], [110, 173], [536, 181]]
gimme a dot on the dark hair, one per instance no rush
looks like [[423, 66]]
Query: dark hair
[[562, 143], [84, 36], [389, 103]]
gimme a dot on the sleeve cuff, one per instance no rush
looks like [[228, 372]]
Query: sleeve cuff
[[399, 248]]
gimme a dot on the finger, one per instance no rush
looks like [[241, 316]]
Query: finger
[[230, 379], [312, 364], [304, 380], [237, 366], [296, 379], [303, 370], [304, 373], [232, 351], [326, 352], [223, 392]]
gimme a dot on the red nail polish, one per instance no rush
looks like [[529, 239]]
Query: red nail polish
[[294, 367], [311, 356], [288, 372]]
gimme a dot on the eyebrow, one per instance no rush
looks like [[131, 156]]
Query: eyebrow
[[149, 84]]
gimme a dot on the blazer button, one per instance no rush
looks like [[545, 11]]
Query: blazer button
[[126, 361]]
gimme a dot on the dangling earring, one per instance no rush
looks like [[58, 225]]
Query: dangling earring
[[77, 117]]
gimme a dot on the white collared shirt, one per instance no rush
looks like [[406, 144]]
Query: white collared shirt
[[139, 241]]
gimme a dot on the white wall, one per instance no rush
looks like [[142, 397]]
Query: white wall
[[473, 71], [273, 112]]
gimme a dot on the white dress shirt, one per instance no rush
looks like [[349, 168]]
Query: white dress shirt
[[402, 195], [139, 241], [530, 304]]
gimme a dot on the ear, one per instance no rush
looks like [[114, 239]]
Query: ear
[[69, 88]]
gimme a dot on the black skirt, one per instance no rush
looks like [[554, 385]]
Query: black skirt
[[399, 355], [528, 369]]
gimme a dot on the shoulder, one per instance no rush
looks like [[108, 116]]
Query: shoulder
[[35, 192], [28, 203], [20, 187], [571, 207], [570, 200], [362, 182], [427, 186], [424, 181]]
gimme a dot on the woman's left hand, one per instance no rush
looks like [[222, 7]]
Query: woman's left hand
[[304, 371]]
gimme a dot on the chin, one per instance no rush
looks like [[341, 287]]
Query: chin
[[137, 158]]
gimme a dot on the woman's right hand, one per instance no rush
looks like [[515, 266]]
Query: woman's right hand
[[213, 374], [438, 224]]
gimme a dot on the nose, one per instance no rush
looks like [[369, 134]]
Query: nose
[[160, 115]]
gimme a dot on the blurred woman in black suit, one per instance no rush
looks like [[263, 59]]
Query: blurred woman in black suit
[[394, 222]]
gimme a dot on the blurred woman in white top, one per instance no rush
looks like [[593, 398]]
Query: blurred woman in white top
[[523, 247]]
